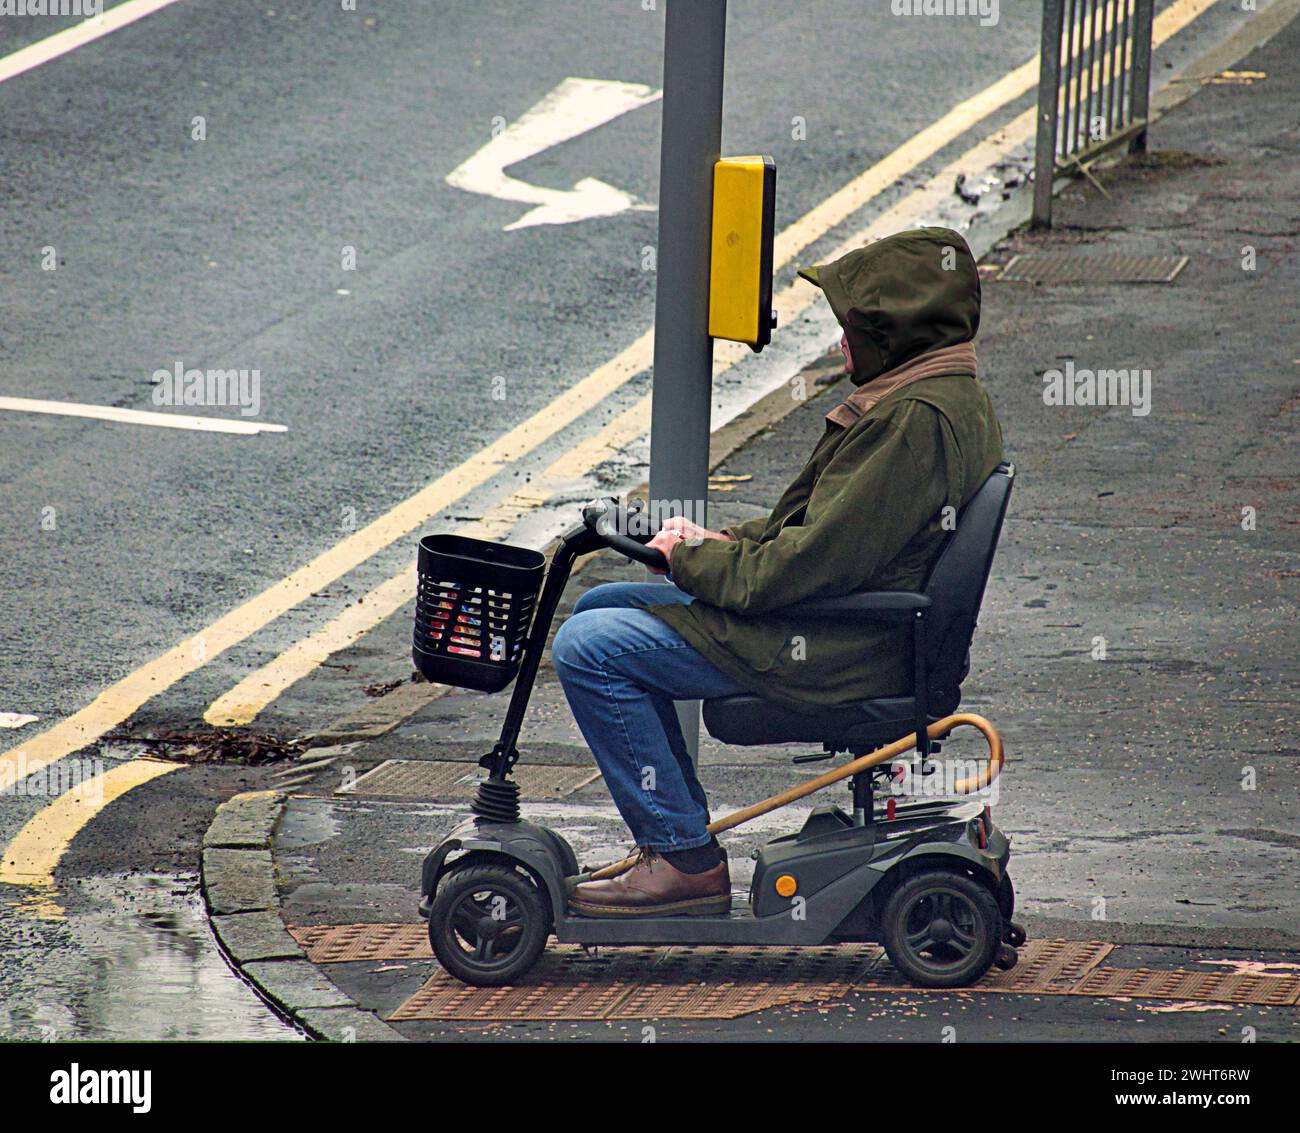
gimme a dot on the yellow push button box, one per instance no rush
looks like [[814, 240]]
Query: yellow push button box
[[740, 272]]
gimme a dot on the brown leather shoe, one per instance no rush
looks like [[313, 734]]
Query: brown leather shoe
[[653, 888]]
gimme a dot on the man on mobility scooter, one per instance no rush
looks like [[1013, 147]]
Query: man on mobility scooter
[[904, 452]]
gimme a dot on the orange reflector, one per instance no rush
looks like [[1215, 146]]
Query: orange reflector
[[786, 886]]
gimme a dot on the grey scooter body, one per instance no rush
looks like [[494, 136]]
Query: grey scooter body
[[836, 865]]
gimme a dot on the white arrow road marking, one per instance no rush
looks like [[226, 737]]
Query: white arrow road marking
[[140, 416], [572, 108]]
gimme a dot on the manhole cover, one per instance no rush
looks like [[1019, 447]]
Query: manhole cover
[[1097, 267], [337, 944], [442, 779]]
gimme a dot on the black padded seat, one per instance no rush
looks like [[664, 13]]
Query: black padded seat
[[751, 720], [942, 614]]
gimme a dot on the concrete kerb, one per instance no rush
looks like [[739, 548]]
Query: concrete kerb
[[239, 889]]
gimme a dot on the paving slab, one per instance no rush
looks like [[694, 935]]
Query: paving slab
[[295, 985], [245, 822], [348, 1025], [238, 881], [255, 936]]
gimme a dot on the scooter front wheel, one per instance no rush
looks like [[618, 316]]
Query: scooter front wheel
[[488, 924], [941, 928]]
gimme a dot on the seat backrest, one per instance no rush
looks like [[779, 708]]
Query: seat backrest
[[957, 580]]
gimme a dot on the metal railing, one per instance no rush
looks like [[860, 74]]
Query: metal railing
[[1093, 88]]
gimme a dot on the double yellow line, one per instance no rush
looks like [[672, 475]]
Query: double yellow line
[[32, 855]]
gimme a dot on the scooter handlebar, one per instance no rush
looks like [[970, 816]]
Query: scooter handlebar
[[625, 530]]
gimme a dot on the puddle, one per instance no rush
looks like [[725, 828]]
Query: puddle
[[307, 822], [133, 959]]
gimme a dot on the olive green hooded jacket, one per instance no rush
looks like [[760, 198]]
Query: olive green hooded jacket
[[867, 511]]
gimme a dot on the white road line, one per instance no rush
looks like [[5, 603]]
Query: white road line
[[60, 43], [140, 416], [16, 719]]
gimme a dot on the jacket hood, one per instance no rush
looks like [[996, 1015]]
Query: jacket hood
[[901, 297]]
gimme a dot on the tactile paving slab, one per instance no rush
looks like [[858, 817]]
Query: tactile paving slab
[[561, 986], [436, 779], [1045, 967], [338, 944], [724, 983], [1214, 987], [1095, 267], [640, 983]]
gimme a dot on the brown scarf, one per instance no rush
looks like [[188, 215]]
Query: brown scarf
[[959, 359]]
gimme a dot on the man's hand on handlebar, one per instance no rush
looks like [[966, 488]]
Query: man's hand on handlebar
[[675, 531]]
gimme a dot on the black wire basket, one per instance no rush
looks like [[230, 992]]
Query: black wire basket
[[472, 610]]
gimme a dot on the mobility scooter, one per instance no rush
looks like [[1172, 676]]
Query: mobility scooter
[[926, 878]]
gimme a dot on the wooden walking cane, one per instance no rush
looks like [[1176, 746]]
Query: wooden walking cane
[[936, 731]]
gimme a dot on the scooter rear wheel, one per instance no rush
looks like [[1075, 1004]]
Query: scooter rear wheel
[[941, 928], [488, 924]]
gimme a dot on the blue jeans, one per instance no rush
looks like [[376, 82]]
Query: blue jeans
[[621, 668]]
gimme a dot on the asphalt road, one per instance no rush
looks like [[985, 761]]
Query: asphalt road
[[327, 130]]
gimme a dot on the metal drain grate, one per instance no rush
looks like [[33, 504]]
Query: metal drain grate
[[434, 779], [1216, 987], [337, 944], [1097, 267]]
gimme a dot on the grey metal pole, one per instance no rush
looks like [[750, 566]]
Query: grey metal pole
[[1141, 71], [1049, 98], [694, 46]]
